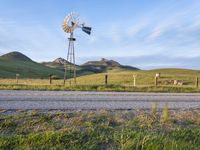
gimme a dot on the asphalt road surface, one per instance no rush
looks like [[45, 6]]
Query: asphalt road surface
[[11, 99]]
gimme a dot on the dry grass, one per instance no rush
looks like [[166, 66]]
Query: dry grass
[[124, 78], [118, 80]]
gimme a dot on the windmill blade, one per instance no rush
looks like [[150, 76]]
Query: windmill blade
[[87, 30]]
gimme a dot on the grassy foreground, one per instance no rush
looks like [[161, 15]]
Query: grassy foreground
[[101, 129]]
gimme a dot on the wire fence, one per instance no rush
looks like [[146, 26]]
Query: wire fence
[[113, 79]]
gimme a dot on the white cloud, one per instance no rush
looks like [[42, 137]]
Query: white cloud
[[136, 28]]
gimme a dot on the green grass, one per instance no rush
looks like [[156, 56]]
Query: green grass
[[118, 80], [142, 77], [115, 88], [100, 130]]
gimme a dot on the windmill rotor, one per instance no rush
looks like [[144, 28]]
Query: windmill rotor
[[71, 22]]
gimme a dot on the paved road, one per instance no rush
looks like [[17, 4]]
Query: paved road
[[94, 100]]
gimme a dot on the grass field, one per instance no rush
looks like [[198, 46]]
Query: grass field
[[100, 129], [118, 80]]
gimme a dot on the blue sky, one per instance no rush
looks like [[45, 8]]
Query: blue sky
[[143, 33]]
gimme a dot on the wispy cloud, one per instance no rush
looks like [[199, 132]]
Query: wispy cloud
[[169, 29], [36, 40]]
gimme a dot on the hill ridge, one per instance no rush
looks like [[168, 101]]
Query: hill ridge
[[108, 64], [15, 55], [61, 61]]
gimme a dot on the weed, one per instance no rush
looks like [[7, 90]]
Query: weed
[[154, 108], [165, 114]]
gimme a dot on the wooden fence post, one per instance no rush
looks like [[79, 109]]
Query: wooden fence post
[[17, 78], [156, 80], [50, 78], [134, 80], [65, 73], [106, 79], [197, 82]]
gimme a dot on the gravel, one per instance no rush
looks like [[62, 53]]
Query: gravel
[[12, 99]]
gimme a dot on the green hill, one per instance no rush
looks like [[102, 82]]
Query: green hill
[[17, 63]]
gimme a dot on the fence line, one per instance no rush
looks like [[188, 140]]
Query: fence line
[[108, 79]]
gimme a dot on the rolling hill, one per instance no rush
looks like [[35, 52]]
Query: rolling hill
[[17, 63], [90, 67]]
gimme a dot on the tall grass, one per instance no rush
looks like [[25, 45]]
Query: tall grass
[[154, 108], [165, 114]]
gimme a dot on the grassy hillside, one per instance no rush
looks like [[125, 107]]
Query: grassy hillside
[[16, 63], [143, 77], [80, 70], [90, 67], [26, 69]]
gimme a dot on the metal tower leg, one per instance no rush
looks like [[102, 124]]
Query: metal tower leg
[[71, 67]]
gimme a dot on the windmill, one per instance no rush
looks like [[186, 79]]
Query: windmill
[[71, 22]]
